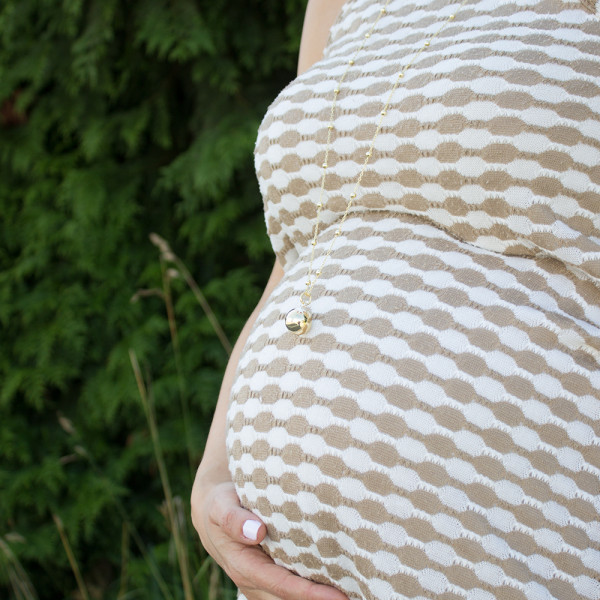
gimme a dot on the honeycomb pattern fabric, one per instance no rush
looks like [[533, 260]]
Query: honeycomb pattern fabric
[[436, 434]]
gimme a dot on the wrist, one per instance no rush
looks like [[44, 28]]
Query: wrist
[[209, 476]]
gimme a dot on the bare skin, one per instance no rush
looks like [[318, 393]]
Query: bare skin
[[216, 512]]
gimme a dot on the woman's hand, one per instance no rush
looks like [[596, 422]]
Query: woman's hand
[[231, 534]]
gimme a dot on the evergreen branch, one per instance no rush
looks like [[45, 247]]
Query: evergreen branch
[[118, 118], [81, 451], [139, 542]]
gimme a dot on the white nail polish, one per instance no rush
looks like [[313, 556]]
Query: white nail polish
[[250, 529]]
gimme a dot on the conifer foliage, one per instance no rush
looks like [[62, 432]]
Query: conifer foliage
[[119, 119]]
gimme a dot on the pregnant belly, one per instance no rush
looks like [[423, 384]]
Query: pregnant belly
[[436, 433]]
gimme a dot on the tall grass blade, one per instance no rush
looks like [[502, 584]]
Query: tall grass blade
[[170, 256], [185, 411], [21, 584], [180, 546], [72, 561], [162, 586], [214, 585], [124, 561]]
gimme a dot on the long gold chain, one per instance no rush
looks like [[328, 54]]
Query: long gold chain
[[298, 320]]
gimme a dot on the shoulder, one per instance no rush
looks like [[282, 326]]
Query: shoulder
[[320, 16]]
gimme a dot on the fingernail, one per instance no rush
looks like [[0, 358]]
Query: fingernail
[[250, 529]]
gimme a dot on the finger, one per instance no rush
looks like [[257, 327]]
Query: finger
[[238, 523], [256, 573]]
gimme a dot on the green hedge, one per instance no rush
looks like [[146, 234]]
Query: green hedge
[[119, 119]]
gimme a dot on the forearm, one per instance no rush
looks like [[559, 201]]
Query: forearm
[[213, 467]]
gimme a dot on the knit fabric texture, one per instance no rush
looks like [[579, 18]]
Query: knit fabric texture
[[436, 434]]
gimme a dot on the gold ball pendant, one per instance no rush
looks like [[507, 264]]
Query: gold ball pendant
[[298, 321]]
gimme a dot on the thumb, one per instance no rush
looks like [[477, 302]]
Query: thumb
[[236, 522]]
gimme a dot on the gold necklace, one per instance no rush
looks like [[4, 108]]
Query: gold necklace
[[298, 320]]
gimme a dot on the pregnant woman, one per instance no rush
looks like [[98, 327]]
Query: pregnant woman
[[413, 409]]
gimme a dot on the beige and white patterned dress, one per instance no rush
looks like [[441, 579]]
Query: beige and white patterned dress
[[437, 432]]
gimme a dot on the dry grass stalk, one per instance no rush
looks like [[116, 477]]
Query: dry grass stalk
[[169, 256], [185, 411], [180, 546], [72, 561], [124, 561], [214, 584], [166, 594], [21, 584], [146, 294]]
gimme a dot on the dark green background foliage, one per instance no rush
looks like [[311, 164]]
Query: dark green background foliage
[[120, 118]]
